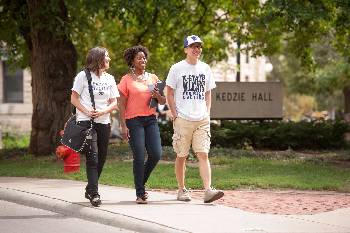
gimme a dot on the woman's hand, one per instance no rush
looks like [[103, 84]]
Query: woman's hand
[[172, 117], [155, 93], [125, 133], [97, 113]]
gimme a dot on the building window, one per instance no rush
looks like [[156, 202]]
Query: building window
[[247, 78], [247, 57], [12, 85]]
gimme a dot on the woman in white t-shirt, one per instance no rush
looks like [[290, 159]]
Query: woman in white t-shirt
[[105, 93]]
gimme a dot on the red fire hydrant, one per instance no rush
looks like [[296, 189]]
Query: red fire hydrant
[[72, 162], [70, 157]]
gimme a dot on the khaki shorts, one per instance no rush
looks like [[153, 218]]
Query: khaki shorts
[[187, 132]]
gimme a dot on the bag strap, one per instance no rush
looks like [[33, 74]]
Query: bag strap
[[89, 78]]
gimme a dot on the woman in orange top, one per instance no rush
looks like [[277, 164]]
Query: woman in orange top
[[138, 120]]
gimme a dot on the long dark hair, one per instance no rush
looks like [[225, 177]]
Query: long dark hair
[[95, 59]]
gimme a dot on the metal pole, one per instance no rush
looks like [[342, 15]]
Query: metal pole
[[238, 75], [1, 137]]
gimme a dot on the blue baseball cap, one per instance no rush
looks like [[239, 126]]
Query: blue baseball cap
[[192, 39]]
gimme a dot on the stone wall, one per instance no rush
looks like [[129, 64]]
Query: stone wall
[[16, 117]]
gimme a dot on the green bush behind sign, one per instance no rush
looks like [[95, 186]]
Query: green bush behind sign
[[275, 135]]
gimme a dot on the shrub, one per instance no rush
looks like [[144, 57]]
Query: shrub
[[13, 141], [275, 135]]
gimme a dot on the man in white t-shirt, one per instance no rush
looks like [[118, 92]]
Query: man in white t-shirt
[[189, 85]]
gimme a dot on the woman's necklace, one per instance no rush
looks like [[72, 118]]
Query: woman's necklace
[[141, 77]]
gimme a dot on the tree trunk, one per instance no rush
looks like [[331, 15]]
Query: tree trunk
[[53, 62], [346, 92]]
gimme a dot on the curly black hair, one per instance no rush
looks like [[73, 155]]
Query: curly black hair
[[130, 53]]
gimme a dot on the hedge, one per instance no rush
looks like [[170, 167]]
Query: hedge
[[275, 135]]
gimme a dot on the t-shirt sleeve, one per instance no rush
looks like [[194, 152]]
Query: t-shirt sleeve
[[123, 87], [211, 81], [171, 78], [78, 84], [114, 89]]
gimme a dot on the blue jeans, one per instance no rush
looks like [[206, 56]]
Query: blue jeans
[[144, 133]]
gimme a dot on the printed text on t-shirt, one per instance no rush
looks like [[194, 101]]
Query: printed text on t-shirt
[[100, 87], [194, 86]]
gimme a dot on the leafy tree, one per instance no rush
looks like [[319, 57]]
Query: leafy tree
[[53, 37], [35, 32], [303, 26], [324, 84], [159, 25]]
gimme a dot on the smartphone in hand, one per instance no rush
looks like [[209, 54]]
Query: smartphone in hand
[[150, 87]]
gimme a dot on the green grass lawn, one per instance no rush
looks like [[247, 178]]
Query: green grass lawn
[[227, 172]]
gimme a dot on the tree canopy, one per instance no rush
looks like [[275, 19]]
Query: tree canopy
[[47, 34], [317, 35], [33, 31]]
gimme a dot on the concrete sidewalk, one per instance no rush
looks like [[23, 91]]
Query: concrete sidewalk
[[163, 213]]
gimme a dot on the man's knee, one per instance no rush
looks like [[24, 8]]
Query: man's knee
[[202, 156], [181, 159]]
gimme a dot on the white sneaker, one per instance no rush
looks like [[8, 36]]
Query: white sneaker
[[212, 195], [183, 195]]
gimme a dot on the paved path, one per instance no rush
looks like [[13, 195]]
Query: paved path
[[289, 202], [18, 218], [163, 213]]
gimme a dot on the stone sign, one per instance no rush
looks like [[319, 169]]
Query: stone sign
[[247, 100]]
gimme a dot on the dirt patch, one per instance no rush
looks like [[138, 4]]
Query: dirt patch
[[279, 202]]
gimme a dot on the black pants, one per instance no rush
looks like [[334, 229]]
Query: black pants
[[96, 156]]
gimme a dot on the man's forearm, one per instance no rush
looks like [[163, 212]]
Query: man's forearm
[[171, 101], [208, 100]]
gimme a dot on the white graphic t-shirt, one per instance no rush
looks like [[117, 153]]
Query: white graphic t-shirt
[[190, 82], [104, 88]]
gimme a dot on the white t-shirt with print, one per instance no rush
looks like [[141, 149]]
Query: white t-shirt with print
[[104, 88], [190, 83]]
